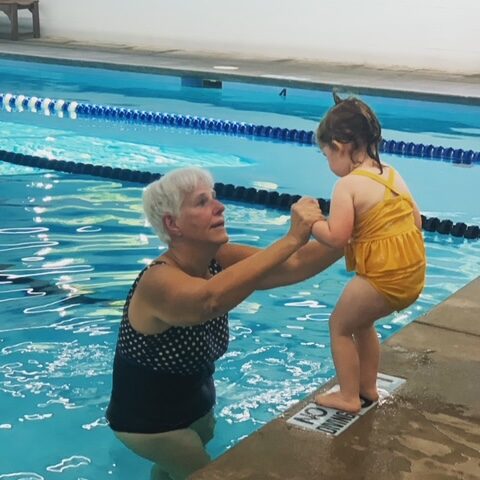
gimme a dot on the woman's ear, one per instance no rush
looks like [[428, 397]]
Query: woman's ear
[[170, 224]]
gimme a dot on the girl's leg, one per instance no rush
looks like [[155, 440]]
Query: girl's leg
[[368, 348], [176, 454], [358, 307]]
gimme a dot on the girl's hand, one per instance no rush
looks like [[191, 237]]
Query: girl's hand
[[304, 214]]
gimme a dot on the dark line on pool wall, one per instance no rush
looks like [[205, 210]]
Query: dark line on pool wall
[[250, 78], [273, 199]]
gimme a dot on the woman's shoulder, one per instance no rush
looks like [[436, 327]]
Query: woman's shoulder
[[158, 271], [159, 282]]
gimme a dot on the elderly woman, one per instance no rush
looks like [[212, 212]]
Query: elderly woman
[[175, 319]]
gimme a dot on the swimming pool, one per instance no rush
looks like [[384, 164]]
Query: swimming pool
[[62, 291]]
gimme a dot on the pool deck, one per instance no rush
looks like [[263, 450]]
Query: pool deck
[[360, 79], [430, 428]]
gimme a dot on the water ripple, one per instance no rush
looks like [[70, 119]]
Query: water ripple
[[46, 308], [13, 274], [38, 416], [19, 230], [52, 369], [21, 476], [25, 245], [74, 461], [99, 422]]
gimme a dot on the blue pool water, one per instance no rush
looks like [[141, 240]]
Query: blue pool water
[[61, 290]]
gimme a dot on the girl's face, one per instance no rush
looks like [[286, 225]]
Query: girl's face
[[339, 158], [201, 217]]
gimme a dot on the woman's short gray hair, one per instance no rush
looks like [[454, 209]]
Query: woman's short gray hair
[[166, 195]]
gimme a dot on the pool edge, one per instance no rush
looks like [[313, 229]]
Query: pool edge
[[358, 79], [431, 426]]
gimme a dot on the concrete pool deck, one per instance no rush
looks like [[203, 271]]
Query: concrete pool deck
[[430, 428]]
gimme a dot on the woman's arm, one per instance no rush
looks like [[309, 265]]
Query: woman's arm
[[337, 230], [181, 299], [309, 260], [306, 262]]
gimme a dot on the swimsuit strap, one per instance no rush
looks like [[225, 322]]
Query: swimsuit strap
[[388, 184], [391, 188], [140, 275], [157, 262]]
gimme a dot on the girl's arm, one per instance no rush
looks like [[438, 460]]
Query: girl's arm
[[337, 230]]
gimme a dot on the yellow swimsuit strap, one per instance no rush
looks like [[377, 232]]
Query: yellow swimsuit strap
[[389, 188]]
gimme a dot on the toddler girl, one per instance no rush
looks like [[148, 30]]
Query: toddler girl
[[374, 216]]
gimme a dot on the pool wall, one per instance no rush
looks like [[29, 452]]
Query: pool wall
[[432, 34]]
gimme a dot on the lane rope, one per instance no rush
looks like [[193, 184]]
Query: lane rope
[[62, 108], [250, 195]]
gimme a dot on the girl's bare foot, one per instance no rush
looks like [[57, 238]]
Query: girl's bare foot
[[336, 400], [369, 394]]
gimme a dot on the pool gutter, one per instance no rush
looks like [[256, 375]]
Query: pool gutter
[[284, 72]]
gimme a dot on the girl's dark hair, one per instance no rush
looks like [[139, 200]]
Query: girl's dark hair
[[351, 121]]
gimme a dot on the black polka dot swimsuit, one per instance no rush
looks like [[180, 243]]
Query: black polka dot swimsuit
[[164, 382]]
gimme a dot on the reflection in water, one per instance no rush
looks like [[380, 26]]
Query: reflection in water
[[21, 476], [72, 462], [61, 144]]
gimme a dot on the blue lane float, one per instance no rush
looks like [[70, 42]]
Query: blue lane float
[[10, 102], [273, 199]]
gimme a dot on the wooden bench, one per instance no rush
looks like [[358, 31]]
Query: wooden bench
[[11, 8]]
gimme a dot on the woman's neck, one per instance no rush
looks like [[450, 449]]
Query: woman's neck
[[194, 261]]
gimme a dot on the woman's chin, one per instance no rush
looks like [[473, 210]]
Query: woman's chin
[[221, 237], [225, 239]]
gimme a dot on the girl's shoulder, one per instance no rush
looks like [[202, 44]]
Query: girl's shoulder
[[366, 174]]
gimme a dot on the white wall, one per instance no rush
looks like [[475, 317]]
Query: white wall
[[420, 34]]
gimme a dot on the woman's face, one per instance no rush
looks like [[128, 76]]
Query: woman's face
[[339, 158], [201, 217]]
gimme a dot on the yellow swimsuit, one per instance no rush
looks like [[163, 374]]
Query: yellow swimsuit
[[387, 247]]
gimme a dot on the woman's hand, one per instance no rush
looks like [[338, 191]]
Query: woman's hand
[[304, 214], [179, 298]]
